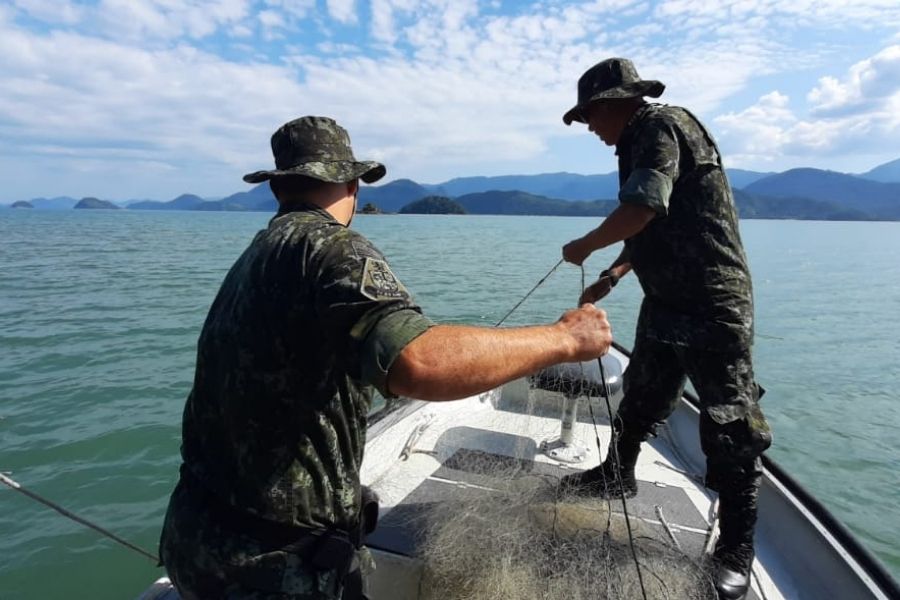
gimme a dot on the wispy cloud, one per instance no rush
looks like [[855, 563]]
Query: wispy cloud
[[343, 11], [149, 20], [293, 9], [51, 11], [436, 88]]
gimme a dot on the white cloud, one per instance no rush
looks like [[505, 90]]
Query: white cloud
[[128, 19], [418, 119], [872, 82], [699, 82], [757, 133], [271, 19], [337, 49], [343, 11], [866, 14], [240, 31], [436, 88], [612, 6], [384, 14], [51, 11], [295, 9], [856, 114], [830, 94], [144, 20], [171, 107]]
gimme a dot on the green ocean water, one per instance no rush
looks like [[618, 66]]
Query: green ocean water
[[100, 311]]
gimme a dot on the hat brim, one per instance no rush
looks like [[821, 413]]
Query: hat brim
[[332, 172], [651, 88]]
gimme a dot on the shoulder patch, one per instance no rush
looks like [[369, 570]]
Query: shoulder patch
[[379, 282]]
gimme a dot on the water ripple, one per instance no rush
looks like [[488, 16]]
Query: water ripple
[[98, 333]]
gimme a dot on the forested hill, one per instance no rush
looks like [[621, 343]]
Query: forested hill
[[851, 193], [794, 194]]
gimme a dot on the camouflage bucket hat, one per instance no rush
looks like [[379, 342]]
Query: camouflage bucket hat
[[611, 78], [316, 147]]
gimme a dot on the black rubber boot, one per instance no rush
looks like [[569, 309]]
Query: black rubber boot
[[734, 551], [605, 481]]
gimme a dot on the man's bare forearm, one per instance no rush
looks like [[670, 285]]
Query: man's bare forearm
[[448, 362], [622, 265], [626, 221]]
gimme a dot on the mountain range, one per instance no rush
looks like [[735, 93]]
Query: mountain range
[[802, 193]]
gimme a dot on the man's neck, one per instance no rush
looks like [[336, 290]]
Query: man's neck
[[342, 210], [341, 207]]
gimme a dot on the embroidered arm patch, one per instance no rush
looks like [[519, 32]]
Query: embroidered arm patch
[[379, 282]]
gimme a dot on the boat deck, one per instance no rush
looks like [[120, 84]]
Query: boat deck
[[470, 469], [454, 452]]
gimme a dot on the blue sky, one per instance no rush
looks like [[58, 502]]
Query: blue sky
[[128, 99]]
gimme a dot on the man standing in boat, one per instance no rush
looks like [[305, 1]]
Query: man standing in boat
[[307, 322], [678, 220]]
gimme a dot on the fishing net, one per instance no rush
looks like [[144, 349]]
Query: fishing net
[[516, 535], [513, 532], [528, 539]]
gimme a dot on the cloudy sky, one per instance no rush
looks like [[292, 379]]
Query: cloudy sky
[[152, 98]]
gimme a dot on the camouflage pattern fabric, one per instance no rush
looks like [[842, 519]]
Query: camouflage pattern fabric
[[316, 147], [696, 319], [308, 319], [690, 261], [733, 430], [609, 79], [206, 559]]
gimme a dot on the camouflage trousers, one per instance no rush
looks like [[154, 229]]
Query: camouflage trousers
[[733, 430], [206, 559]]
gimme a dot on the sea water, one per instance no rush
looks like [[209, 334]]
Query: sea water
[[100, 312]]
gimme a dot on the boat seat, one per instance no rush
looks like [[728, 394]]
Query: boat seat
[[580, 379]]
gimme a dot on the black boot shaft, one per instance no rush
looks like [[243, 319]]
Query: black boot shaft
[[734, 554], [738, 507]]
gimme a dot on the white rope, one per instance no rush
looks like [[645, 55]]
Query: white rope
[[525, 297], [70, 515]]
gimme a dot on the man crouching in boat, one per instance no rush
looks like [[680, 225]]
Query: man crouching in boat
[[679, 223], [308, 320]]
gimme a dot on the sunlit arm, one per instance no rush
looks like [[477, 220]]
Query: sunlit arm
[[449, 362], [626, 221], [622, 265]]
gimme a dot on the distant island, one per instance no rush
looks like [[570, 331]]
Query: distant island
[[95, 203], [802, 193], [21, 204], [433, 205]]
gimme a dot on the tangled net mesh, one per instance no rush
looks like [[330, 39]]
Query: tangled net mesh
[[522, 536]]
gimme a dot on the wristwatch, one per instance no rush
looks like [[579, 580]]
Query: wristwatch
[[613, 279]]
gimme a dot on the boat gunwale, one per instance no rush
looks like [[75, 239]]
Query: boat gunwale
[[865, 559]]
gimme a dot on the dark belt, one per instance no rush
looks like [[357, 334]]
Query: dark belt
[[324, 549]]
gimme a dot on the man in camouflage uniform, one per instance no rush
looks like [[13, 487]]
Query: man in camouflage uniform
[[308, 320], [679, 223]]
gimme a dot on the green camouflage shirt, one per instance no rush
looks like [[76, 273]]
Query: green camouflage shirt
[[689, 259], [308, 319]]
